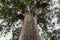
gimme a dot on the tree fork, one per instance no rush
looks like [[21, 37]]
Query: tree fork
[[29, 29]]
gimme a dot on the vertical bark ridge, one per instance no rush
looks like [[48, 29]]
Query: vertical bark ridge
[[29, 30]]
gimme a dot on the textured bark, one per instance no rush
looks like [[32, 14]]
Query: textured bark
[[29, 30]]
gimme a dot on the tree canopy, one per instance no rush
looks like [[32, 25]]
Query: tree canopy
[[10, 11]]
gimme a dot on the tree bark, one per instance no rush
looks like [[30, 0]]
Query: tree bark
[[29, 29]]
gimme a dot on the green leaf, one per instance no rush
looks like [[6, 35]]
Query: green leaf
[[26, 1], [0, 27], [58, 15]]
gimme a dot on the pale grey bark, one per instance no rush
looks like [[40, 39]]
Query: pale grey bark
[[29, 30]]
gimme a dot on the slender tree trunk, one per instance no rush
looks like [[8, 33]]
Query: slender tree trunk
[[29, 30]]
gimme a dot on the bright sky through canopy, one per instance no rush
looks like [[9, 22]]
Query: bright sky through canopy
[[9, 34]]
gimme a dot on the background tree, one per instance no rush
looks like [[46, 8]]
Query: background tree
[[12, 11]]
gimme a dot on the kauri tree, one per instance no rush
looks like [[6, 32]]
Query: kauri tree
[[31, 13]]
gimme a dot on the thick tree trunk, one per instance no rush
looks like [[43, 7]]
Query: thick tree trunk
[[29, 30]]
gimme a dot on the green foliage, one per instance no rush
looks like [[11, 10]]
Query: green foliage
[[16, 34], [58, 14], [10, 8], [26, 1], [0, 27]]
